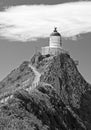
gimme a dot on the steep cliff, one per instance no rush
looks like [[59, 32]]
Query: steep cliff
[[59, 100]]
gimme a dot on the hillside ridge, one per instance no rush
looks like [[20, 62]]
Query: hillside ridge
[[49, 93]]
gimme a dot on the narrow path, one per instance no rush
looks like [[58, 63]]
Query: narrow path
[[4, 97], [37, 77]]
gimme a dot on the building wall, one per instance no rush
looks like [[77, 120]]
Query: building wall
[[52, 51]]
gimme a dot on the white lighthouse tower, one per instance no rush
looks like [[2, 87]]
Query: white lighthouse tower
[[55, 39], [55, 44]]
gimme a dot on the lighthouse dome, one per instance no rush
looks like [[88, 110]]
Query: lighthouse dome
[[55, 33], [55, 39]]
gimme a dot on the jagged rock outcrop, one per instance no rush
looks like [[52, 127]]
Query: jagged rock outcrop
[[60, 100]]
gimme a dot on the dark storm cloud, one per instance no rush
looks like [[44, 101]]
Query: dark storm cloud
[[5, 3]]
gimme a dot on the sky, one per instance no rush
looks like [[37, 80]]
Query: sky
[[25, 26]]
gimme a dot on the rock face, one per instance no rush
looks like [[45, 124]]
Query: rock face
[[60, 100]]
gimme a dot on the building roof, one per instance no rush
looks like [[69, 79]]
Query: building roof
[[55, 32]]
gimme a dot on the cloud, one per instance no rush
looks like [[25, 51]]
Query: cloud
[[26, 23]]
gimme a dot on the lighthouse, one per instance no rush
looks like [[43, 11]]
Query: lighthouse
[[55, 39], [55, 44]]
